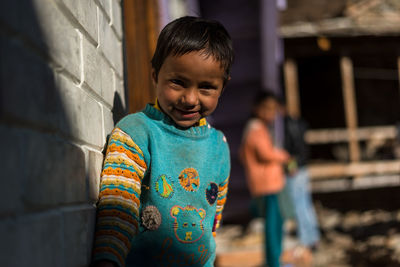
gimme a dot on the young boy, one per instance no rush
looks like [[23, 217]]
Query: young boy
[[165, 175]]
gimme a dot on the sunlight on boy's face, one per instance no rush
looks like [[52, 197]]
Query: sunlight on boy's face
[[188, 87]]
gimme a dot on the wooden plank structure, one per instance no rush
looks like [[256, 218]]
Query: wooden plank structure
[[357, 169], [292, 88], [346, 68], [363, 43], [351, 135], [323, 136]]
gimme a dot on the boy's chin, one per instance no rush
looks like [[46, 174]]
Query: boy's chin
[[186, 124]]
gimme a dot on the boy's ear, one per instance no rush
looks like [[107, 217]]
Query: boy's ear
[[223, 88], [153, 77]]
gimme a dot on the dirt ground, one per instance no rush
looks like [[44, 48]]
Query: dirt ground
[[350, 238]]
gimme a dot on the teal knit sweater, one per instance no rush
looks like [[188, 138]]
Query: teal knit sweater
[[162, 192]]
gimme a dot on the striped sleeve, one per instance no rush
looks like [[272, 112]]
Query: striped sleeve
[[222, 194], [118, 206]]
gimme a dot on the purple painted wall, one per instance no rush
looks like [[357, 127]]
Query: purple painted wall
[[250, 71]]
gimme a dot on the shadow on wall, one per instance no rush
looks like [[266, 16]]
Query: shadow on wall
[[118, 108], [45, 213], [118, 112]]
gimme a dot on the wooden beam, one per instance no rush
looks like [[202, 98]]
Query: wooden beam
[[398, 69], [292, 88], [364, 182], [337, 170], [328, 136], [140, 30], [346, 68]]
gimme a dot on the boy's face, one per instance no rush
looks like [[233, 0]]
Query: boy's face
[[267, 109], [188, 87]]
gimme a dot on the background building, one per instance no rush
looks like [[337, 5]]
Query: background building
[[341, 69]]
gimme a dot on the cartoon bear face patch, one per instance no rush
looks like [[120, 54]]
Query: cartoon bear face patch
[[188, 224]]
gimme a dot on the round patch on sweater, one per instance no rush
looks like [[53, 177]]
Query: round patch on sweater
[[151, 218], [212, 193], [164, 186], [188, 224], [189, 179]]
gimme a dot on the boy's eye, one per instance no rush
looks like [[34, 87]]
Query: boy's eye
[[207, 86], [178, 82]]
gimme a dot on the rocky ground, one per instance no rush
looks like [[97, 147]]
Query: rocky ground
[[352, 238], [359, 239]]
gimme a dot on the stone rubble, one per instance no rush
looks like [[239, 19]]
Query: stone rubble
[[354, 238]]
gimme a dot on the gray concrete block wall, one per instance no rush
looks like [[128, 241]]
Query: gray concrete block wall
[[61, 71]]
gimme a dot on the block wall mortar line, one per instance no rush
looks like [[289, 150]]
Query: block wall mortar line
[[85, 88], [82, 65], [112, 23], [24, 41], [58, 69], [111, 14], [99, 49], [91, 149], [116, 34], [28, 44], [55, 210], [98, 99], [109, 63], [109, 108], [85, 206], [18, 123], [89, 91], [74, 22], [98, 26], [103, 10], [102, 123], [80, 143], [87, 170], [114, 77]]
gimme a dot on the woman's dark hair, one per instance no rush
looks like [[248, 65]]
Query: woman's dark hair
[[187, 34], [260, 97], [264, 95]]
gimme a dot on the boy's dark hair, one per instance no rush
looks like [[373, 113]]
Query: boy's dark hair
[[187, 34]]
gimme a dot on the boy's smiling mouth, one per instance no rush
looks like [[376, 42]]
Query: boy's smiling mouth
[[186, 114]]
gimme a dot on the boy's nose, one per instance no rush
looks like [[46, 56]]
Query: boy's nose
[[190, 97]]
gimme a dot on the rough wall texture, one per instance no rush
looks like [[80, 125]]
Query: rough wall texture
[[61, 78]]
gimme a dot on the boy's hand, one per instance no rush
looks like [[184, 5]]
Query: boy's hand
[[292, 167]]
